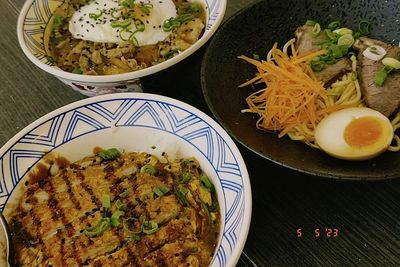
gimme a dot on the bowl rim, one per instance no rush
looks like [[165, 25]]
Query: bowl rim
[[247, 213], [115, 77]]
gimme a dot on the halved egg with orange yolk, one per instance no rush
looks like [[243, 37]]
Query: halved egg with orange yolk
[[354, 133]]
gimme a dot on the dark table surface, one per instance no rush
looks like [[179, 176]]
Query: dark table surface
[[289, 208]]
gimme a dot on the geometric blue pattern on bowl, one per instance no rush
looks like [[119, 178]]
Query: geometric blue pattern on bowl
[[131, 110]]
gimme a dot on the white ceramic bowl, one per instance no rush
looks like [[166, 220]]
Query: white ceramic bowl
[[32, 23], [138, 122]]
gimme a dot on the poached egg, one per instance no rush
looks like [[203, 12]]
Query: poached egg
[[96, 21]]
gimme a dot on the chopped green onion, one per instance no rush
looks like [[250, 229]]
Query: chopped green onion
[[181, 192], [148, 169], [171, 53], [346, 39], [106, 201], [171, 24], [77, 71], [161, 190], [364, 27], [139, 25], [336, 51], [57, 22], [391, 62], [311, 22], [315, 31], [132, 239], [115, 217], [381, 75], [121, 24], [343, 31], [206, 211], [146, 8], [101, 226], [317, 65], [205, 181], [186, 177], [194, 8], [333, 37], [256, 56], [111, 153], [124, 194], [50, 59], [354, 76], [96, 16], [120, 205], [149, 227], [127, 3], [334, 25], [133, 40]]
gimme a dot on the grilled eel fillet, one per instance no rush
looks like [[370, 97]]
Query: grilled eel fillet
[[48, 226]]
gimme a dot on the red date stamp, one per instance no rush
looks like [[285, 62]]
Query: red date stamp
[[320, 232]]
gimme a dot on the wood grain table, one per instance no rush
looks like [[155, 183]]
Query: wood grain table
[[292, 212]]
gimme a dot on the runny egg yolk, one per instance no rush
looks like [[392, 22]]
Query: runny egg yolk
[[363, 131]]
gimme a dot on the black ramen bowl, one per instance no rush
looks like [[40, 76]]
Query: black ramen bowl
[[254, 30]]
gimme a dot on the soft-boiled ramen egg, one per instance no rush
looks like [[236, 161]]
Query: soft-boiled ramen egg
[[354, 133], [103, 21]]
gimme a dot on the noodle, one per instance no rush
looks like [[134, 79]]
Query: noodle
[[343, 93]]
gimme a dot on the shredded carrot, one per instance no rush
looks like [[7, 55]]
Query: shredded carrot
[[293, 94]]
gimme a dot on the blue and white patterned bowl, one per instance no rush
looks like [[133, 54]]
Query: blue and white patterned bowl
[[33, 20], [138, 122]]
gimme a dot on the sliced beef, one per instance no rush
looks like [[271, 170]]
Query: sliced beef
[[385, 98], [305, 43]]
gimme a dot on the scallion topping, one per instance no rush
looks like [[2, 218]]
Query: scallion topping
[[114, 221], [106, 201], [382, 74], [186, 177], [346, 39], [311, 22], [145, 8], [149, 227], [315, 31], [96, 16], [161, 190], [181, 192], [57, 22], [77, 71], [148, 169], [121, 23], [127, 3], [111, 153], [101, 226], [391, 62], [120, 205], [124, 194], [364, 27], [205, 181], [172, 23], [132, 239], [334, 25]]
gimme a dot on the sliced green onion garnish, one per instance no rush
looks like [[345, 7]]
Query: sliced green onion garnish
[[181, 192], [171, 53], [311, 22], [186, 177], [101, 226], [106, 201], [111, 153], [206, 211], [194, 8], [120, 205], [317, 65], [205, 181], [148, 169], [124, 194], [57, 22], [50, 59], [139, 25], [315, 31], [96, 16], [381, 75], [343, 31], [364, 27], [161, 190], [146, 8], [336, 51], [115, 218], [391, 62], [77, 71], [333, 37], [127, 3], [132, 239], [346, 39], [171, 24], [149, 227], [256, 56], [334, 25], [121, 24]]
